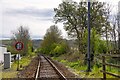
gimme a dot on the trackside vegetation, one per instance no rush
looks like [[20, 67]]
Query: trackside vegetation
[[53, 43], [73, 51]]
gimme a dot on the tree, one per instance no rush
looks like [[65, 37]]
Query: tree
[[114, 34], [118, 23], [53, 35], [74, 18], [69, 13], [53, 43], [22, 34]]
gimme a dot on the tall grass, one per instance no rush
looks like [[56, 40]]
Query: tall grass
[[77, 64]]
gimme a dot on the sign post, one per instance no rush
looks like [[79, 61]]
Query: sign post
[[18, 47]]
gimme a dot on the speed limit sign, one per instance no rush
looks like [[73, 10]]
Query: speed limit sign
[[19, 46]]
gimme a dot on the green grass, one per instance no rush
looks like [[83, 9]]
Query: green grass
[[9, 74], [12, 72], [24, 62], [80, 69], [0, 72]]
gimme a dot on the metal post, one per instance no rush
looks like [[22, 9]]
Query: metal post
[[88, 55], [18, 63], [104, 68]]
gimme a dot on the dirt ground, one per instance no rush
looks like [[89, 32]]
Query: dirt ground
[[29, 71]]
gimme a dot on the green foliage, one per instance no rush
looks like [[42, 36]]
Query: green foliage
[[58, 49], [55, 49], [80, 69], [12, 72], [53, 35], [12, 49], [24, 62], [102, 47], [97, 45], [73, 16], [53, 44]]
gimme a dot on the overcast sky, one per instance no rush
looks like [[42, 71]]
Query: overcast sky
[[37, 15]]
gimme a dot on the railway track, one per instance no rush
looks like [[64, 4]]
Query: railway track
[[47, 69]]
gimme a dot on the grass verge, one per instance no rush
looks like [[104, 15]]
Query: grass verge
[[80, 69], [12, 72]]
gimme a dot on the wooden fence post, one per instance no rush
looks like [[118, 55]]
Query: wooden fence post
[[104, 68]]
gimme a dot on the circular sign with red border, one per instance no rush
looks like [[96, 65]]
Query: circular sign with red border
[[19, 46]]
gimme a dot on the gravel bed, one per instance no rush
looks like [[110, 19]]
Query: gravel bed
[[29, 71], [65, 71]]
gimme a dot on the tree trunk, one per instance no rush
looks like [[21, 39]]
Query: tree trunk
[[115, 43], [119, 40], [118, 22], [106, 38], [78, 37]]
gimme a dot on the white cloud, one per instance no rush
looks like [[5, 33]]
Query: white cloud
[[32, 3], [36, 14], [0, 17]]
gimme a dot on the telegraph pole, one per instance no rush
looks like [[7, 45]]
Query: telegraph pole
[[89, 28]]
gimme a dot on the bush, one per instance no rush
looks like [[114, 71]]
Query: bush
[[55, 49], [58, 50]]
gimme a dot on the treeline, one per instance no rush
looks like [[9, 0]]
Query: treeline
[[104, 34]]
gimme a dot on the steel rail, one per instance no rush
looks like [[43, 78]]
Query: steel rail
[[58, 71], [37, 72], [53, 65]]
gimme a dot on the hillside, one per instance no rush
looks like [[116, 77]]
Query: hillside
[[36, 43]]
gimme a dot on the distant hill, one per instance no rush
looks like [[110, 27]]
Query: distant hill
[[6, 42], [36, 43]]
